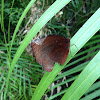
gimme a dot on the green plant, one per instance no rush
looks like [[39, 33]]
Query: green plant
[[19, 73]]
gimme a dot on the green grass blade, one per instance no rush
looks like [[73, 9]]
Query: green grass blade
[[2, 16], [81, 37], [92, 95], [9, 21], [92, 92], [45, 82], [88, 76], [2, 25], [95, 86]]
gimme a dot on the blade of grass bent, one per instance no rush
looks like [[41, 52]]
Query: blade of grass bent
[[88, 76], [82, 39], [52, 10]]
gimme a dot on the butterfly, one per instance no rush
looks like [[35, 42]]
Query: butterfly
[[51, 49]]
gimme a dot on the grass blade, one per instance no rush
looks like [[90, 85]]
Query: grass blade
[[88, 76]]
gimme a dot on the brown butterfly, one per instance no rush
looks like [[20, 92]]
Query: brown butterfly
[[51, 49]]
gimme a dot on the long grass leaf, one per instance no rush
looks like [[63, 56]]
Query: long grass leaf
[[88, 76]]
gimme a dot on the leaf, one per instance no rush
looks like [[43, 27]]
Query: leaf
[[93, 92], [88, 76]]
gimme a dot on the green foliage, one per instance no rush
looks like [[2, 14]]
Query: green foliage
[[20, 74], [13, 10]]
